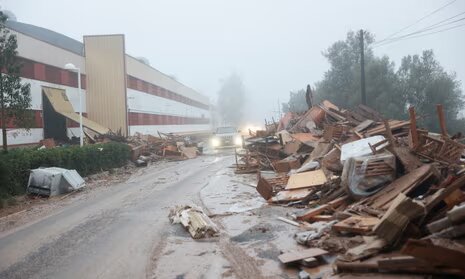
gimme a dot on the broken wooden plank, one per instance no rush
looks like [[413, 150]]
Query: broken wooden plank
[[398, 216], [306, 179], [441, 194], [320, 209], [264, 188], [290, 222], [364, 125], [286, 164], [406, 264], [291, 147], [408, 160], [295, 256], [414, 139], [434, 254], [324, 218], [403, 184], [360, 267], [357, 224], [442, 120], [291, 195]]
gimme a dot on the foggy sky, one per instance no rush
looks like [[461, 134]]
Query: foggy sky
[[275, 46]]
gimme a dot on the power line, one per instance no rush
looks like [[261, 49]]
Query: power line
[[421, 35], [428, 28], [428, 15], [435, 25]]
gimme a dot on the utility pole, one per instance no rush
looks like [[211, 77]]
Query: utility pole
[[362, 69]]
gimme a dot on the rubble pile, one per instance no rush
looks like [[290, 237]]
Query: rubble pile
[[145, 148], [383, 196]]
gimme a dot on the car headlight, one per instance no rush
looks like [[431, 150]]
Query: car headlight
[[238, 141], [215, 142]]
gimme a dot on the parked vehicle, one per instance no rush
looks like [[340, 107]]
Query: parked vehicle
[[225, 137]]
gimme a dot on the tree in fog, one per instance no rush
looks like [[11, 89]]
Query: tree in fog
[[424, 83], [15, 98], [341, 83], [296, 102], [231, 100], [420, 81]]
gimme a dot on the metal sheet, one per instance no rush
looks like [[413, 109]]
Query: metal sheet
[[54, 181], [106, 81]]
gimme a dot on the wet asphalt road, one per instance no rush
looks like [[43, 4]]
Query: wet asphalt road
[[112, 234]]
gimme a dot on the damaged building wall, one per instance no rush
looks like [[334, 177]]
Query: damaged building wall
[[43, 65], [154, 102]]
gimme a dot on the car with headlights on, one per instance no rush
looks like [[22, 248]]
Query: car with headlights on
[[226, 137]]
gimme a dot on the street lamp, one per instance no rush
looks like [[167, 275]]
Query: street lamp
[[71, 67]]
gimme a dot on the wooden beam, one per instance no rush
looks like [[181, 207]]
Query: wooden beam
[[436, 255], [389, 135], [317, 210], [413, 127], [442, 120]]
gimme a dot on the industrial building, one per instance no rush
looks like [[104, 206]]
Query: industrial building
[[120, 93]]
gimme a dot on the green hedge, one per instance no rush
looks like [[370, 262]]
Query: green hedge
[[16, 164]]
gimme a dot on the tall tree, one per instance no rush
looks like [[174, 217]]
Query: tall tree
[[341, 83], [15, 98], [424, 83], [231, 100]]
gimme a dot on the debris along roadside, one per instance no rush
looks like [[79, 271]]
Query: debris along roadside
[[381, 196], [148, 148]]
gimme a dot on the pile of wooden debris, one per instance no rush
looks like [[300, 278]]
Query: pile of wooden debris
[[381, 196], [145, 148]]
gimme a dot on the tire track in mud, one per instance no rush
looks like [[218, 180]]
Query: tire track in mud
[[243, 265]]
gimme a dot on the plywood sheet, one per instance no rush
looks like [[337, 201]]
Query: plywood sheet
[[306, 179]]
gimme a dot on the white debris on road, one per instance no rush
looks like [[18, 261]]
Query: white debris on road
[[194, 220]]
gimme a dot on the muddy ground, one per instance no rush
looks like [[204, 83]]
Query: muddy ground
[[119, 227]]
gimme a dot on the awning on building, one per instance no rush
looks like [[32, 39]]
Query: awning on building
[[63, 106]]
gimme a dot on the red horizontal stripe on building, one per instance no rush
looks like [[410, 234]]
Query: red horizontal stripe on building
[[38, 122], [152, 89], [48, 73], [137, 118]]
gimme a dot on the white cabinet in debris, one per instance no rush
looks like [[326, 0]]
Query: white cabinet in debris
[[53, 181]]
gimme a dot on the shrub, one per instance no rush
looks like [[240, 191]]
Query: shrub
[[17, 163]]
